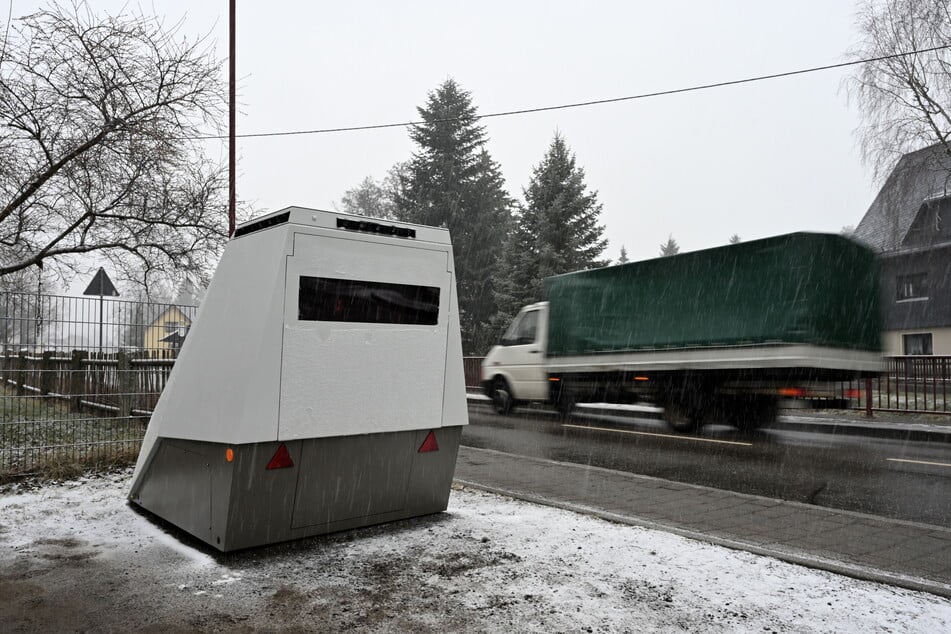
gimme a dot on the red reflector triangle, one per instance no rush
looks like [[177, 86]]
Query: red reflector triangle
[[281, 460], [429, 444]]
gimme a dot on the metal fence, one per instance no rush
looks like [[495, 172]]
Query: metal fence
[[79, 377], [920, 384]]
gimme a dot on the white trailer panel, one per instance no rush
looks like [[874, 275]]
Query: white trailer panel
[[379, 366]]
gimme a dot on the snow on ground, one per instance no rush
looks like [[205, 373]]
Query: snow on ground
[[75, 556]]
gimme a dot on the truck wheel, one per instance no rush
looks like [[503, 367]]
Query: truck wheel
[[502, 399], [565, 403], [680, 417], [755, 412]]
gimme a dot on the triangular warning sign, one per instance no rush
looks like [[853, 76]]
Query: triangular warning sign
[[282, 459], [429, 444], [101, 285]]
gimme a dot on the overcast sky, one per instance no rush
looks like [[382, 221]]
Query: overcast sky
[[757, 160]]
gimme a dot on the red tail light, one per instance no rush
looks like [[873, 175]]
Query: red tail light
[[429, 444], [282, 459], [792, 392]]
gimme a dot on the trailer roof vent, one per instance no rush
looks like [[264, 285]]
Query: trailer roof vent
[[375, 227], [265, 223]]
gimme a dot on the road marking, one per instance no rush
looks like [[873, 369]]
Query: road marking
[[675, 437], [933, 464]]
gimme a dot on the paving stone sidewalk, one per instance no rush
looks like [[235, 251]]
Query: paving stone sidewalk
[[906, 554]]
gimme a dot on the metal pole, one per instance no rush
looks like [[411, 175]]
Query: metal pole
[[868, 397], [39, 289], [100, 324], [231, 184]]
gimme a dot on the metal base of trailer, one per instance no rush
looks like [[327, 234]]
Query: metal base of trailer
[[334, 484]]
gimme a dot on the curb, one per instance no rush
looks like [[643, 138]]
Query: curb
[[906, 432]]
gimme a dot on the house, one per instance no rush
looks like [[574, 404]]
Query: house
[[909, 224], [167, 330]]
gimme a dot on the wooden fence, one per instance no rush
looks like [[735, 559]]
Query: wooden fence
[[123, 383]]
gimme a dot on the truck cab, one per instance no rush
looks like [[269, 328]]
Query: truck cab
[[514, 370]]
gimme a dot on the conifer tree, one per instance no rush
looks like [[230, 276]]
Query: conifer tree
[[670, 247], [452, 181], [557, 230], [623, 259]]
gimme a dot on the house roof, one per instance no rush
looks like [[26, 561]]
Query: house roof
[[918, 176], [157, 311]]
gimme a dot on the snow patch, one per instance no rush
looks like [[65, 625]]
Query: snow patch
[[489, 563]]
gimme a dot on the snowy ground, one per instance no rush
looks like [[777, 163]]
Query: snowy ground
[[74, 556]]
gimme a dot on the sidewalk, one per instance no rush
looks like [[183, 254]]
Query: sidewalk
[[906, 554]]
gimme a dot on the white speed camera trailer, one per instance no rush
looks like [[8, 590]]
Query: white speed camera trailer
[[320, 388]]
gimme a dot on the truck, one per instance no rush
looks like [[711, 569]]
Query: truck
[[723, 335]]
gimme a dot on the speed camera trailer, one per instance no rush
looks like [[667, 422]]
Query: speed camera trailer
[[320, 388]]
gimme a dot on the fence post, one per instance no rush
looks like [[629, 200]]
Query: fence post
[[46, 373], [21, 373], [124, 381], [868, 396], [77, 378]]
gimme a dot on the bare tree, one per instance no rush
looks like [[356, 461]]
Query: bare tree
[[99, 119], [905, 101], [369, 198], [376, 199]]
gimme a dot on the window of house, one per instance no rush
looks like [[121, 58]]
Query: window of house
[[914, 286], [917, 343], [329, 299]]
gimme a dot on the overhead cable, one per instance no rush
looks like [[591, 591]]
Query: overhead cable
[[583, 104]]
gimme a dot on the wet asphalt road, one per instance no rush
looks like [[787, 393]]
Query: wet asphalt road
[[870, 475]]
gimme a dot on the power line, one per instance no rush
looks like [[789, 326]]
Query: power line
[[596, 102]]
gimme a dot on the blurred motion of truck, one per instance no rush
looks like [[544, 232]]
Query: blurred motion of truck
[[719, 335]]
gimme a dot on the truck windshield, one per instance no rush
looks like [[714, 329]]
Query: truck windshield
[[523, 330]]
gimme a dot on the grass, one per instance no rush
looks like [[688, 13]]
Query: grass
[[41, 436]]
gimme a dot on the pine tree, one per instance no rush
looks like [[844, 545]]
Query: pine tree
[[623, 259], [670, 248], [557, 230], [452, 181]]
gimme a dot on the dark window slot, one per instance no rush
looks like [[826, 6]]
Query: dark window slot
[[330, 299]]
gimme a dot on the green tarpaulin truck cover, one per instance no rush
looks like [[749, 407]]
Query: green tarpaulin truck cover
[[801, 288]]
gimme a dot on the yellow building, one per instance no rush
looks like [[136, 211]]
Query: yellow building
[[167, 331]]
